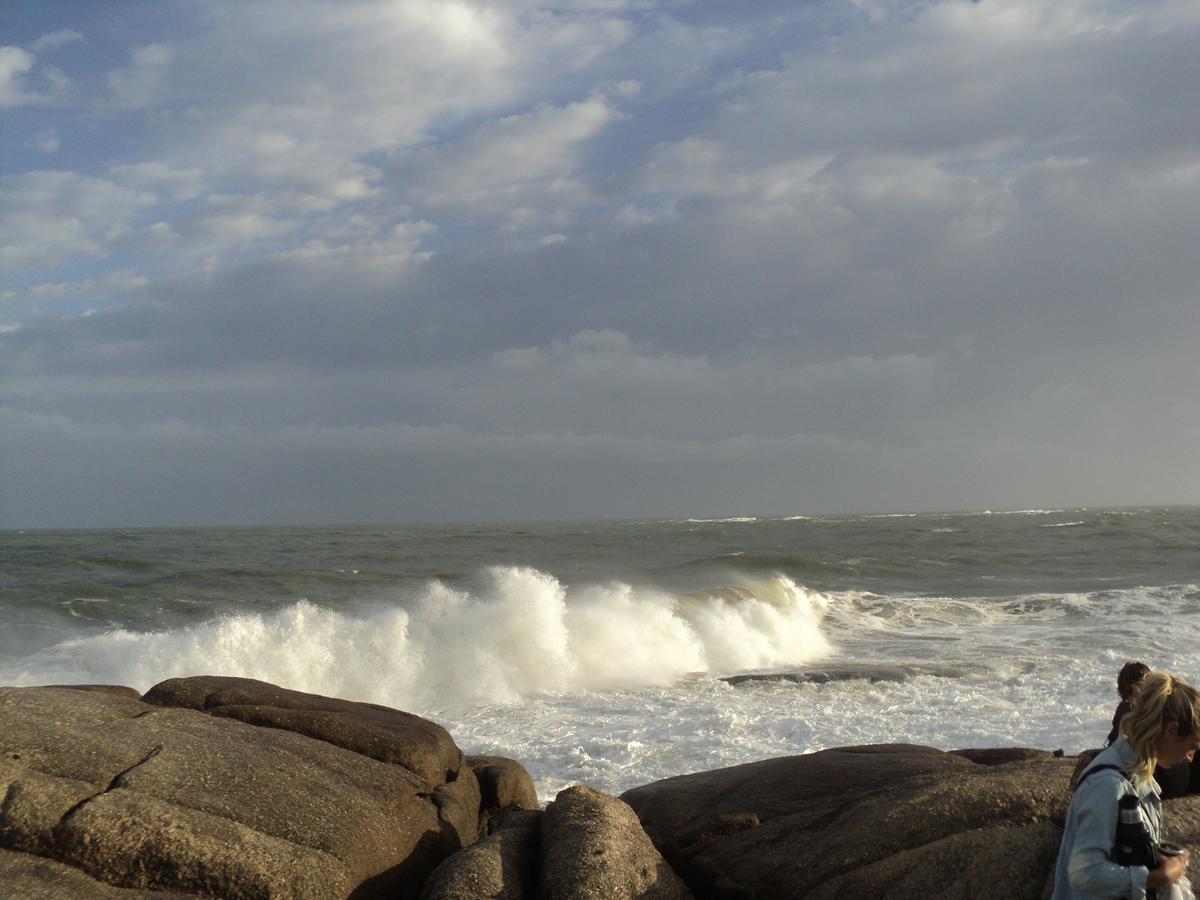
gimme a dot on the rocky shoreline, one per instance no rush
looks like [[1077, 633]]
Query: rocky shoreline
[[228, 787]]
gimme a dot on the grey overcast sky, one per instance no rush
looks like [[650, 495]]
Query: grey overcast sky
[[289, 261]]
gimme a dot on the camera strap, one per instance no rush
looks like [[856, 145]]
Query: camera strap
[[1094, 769], [1130, 791]]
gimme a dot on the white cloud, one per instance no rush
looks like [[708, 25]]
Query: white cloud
[[15, 64], [119, 284], [160, 178], [520, 163], [56, 39], [139, 83], [51, 216]]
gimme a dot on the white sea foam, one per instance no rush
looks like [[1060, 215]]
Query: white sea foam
[[524, 634]]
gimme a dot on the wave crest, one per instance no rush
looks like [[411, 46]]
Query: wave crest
[[522, 633]]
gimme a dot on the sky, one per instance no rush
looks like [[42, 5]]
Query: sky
[[436, 260]]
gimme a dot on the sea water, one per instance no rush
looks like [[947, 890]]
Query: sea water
[[595, 652]]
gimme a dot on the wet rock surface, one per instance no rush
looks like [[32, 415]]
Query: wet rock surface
[[850, 672]]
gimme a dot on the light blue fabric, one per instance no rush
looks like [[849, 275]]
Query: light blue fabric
[[1085, 870]]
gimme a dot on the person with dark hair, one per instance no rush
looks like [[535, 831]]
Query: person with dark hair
[[1129, 682], [1173, 781], [1163, 727]]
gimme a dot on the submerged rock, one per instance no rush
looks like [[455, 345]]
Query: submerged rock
[[893, 672], [879, 821]]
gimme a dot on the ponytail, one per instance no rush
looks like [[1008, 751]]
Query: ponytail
[[1163, 698]]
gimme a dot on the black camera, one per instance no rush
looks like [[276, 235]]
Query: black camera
[[1133, 845]]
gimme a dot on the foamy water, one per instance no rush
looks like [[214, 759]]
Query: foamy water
[[617, 681], [523, 636]]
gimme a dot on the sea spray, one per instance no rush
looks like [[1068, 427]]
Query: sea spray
[[592, 651], [522, 633]]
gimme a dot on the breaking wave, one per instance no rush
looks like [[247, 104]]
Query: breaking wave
[[523, 633]]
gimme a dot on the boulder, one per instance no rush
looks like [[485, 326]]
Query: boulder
[[388, 735], [868, 672], [504, 786], [502, 866], [151, 798], [35, 878], [998, 756], [117, 690], [874, 821], [594, 848]]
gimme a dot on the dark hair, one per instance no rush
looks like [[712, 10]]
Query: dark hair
[[1130, 677]]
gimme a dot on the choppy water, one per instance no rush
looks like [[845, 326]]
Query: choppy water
[[594, 651]]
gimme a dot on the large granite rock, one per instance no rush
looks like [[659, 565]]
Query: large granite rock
[[388, 735], [35, 878], [504, 786], [117, 690], [999, 756], [585, 846], [502, 866], [891, 821], [151, 798], [594, 848]]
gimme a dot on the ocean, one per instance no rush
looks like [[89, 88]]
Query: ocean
[[598, 652]]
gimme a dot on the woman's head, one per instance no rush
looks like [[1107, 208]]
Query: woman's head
[[1164, 726], [1130, 678]]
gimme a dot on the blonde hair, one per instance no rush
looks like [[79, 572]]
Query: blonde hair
[[1163, 698]]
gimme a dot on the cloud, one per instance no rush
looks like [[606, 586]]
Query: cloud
[[517, 164], [137, 84], [14, 63], [56, 39], [51, 216], [442, 259]]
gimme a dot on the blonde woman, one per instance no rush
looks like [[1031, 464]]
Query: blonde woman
[[1163, 728]]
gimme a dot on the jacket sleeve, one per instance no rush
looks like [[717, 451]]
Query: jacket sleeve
[[1090, 870]]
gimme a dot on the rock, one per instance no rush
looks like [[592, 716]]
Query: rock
[[458, 806], [504, 786], [877, 821], [594, 848], [388, 735], [853, 672], [117, 690], [153, 798], [997, 863], [503, 866], [34, 878], [998, 756], [1181, 821]]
